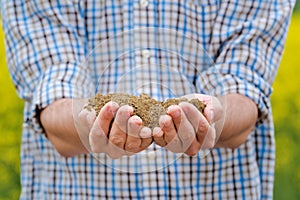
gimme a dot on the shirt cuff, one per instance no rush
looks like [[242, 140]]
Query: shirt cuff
[[64, 80], [220, 84]]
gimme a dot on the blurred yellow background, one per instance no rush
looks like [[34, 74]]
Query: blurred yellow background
[[286, 107]]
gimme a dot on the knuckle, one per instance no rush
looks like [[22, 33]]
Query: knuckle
[[174, 141], [132, 146], [174, 149], [105, 117], [96, 133], [146, 142], [82, 115], [118, 141], [175, 146], [186, 107], [209, 144], [124, 111], [192, 151], [202, 127], [209, 140], [167, 126], [187, 136], [160, 141], [96, 148], [113, 155], [166, 123], [107, 113]]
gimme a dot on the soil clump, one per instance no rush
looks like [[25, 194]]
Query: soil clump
[[147, 108]]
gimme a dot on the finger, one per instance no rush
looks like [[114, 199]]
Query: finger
[[198, 121], [192, 114], [100, 129], [193, 148], [210, 138], [185, 131], [158, 137], [214, 109], [115, 152], [106, 116], [202, 97], [118, 132], [170, 134], [83, 124], [133, 140], [86, 118], [184, 128], [146, 135], [85, 121]]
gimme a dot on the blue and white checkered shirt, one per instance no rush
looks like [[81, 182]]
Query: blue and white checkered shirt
[[166, 48]]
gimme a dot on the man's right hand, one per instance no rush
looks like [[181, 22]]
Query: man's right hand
[[115, 131]]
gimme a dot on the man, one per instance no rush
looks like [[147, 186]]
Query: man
[[224, 53]]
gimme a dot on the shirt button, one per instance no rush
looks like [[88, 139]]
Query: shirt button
[[144, 3], [151, 155], [146, 53]]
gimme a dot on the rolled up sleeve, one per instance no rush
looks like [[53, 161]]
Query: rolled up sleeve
[[45, 42], [247, 40]]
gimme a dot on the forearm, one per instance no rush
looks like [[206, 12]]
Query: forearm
[[58, 122], [239, 120]]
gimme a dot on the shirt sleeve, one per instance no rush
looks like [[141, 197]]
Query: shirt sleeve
[[247, 40], [45, 50]]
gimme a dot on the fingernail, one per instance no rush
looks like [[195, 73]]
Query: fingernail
[[135, 121], [114, 107], [157, 132], [145, 132], [164, 121], [174, 111]]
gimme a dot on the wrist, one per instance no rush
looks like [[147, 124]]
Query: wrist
[[239, 120], [58, 123]]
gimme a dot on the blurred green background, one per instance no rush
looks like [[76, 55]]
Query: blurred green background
[[286, 107]]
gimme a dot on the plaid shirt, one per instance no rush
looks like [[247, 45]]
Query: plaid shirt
[[74, 49]]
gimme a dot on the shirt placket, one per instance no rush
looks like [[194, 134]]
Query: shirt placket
[[144, 59]]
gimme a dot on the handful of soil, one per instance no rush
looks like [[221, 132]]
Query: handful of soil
[[147, 108]]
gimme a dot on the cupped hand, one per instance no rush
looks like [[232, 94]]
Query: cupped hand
[[115, 131], [186, 130]]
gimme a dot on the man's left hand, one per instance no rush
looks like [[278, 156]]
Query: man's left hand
[[185, 129]]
